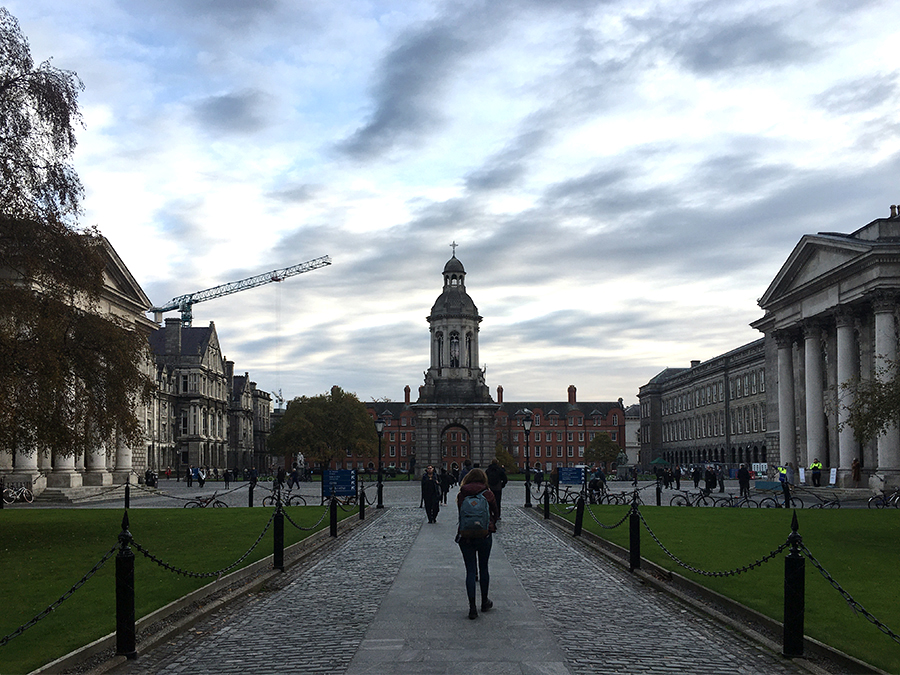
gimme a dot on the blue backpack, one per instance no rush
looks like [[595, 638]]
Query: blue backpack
[[474, 517]]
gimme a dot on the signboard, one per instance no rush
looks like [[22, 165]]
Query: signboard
[[342, 481], [571, 475], [832, 476], [802, 475]]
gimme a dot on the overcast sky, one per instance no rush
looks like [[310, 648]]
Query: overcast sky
[[624, 179]]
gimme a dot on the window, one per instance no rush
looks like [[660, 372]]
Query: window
[[393, 451], [581, 451], [558, 436], [184, 422], [402, 436], [537, 451], [184, 384], [537, 436], [571, 451], [393, 435], [613, 435], [349, 452], [581, 436], [569, 436], [615, 420], [559, 451], [537, 420]]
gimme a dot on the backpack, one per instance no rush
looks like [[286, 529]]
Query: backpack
[[474, 517]]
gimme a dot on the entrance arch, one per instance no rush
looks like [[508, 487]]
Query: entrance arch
[[456, 446]]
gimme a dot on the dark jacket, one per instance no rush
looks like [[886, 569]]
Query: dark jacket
[[470, 489], [496, 476]]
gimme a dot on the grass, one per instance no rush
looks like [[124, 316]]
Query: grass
[[45, 552], [858, 547]]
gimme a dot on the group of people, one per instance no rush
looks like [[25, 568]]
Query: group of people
[[436, 486]]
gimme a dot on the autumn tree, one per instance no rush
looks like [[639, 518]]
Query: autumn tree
[[875, 406], [70, 378], [507, 461], [324, 428], [601, 450]]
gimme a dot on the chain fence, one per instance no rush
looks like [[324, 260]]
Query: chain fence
[[65, 596], [204, 575], [300, 527], [607, 527]]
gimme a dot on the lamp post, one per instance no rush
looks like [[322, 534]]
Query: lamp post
[[526, 422], [379, 429]]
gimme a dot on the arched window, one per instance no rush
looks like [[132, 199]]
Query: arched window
[[439, 340], [468, 350], [454, 349]]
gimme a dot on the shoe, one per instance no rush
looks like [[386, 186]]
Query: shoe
[[486, 605], [473, 613]]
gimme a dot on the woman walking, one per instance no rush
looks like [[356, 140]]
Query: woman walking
[[477, 521]]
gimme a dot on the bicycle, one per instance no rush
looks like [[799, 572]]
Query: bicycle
[[15, 494], [833, 503], [203, 502], [736, 501], [883, 501], [702, 498], [773, 503], [287, 500]]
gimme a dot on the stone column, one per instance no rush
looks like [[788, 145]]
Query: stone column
[[885, 356], [786, 416], [6, 461], [64, 474], [123, 463], [848, 449], [95, 472], [815, 408]]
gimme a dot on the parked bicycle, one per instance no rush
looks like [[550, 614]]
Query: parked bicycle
[[736, 501], [287, 499], [772, 502], [702, 498], [827, 503], [203, 502], [17, 494], [883, 500]]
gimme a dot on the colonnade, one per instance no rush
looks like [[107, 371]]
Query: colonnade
[[45, 470]]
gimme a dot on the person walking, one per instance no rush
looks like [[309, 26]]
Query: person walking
[[743, 476], [431, 494], [855, 472], [446, 479], [720, 476], [710, 479], [476, 545], [497, 480]]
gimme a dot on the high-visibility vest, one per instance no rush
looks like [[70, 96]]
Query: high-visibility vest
[[816, 466]]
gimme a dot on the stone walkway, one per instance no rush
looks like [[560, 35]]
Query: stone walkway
[[391, 599]]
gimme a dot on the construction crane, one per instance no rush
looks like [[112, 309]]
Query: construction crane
[[184, 303]]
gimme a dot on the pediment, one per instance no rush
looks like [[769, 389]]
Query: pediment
[[117, 280], [815, 257]]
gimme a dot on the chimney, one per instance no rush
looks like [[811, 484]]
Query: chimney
[[571, 394], [893, 210], [499, 394], [406, 394], [229, 372], [173, 337], [694, 364]]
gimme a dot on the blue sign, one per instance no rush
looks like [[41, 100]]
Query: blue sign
[[571, 475], [341, 481]]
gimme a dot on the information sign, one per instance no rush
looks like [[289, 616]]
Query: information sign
[[571, 475], [832, 476], [341, 481]]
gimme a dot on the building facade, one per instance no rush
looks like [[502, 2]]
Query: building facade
[[831, 319]]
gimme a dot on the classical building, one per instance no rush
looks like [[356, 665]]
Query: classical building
[[831, 318], [455, 418], [712, 412]]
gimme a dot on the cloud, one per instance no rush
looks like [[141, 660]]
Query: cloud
[[861, 95], [235, 113]]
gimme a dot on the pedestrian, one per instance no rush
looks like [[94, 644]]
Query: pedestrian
[[696, 474], [467, 467], [294, 480], [446, 479], [743, 476], [538, 476], [710, 479], [168, 472], [280, 478], [855, 472], [497, 480], [720, 476], [201, 476], [431, 494], [476, 550], [189, 476], [816, 469], [226, 475], [677, 476]]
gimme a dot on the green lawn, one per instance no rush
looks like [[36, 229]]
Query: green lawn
[[858, 547], [46, 551]]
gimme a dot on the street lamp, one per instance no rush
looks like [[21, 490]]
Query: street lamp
[[526, 422], [379, 429]]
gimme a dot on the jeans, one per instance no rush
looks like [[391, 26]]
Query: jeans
[[479, 549]]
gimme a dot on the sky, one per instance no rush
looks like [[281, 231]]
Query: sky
[[623, 178]]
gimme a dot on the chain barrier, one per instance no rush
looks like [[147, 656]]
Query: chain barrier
[[159, 493], [608, 527], [204, 575], [695, 570], [300, 527], [97, 495], [65, 596], [854, 605]]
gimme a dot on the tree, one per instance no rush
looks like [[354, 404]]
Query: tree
[[325, 427], [38, 111], [70, 378], [507, 461], [875, 403], [601, 450]]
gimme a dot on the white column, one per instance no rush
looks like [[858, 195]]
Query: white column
[[123, 463], [885, 356], [5, 461], [786, 417], [64, 474], [95, 472], [848, 449], [815, 408]]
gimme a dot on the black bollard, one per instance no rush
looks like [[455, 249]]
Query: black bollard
[[362, 504], [634, 532], [2, 490], [332, 507], [794, 594], [546, 504], [127, 492], [250, 496], [579, 516], [658, 495], [125, 633], [278, 553]]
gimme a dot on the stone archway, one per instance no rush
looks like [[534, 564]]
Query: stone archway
[[455, 445]]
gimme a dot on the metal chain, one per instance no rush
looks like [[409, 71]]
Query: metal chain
[[854, 605], [160, 493], [204, 575], [695, 570], [99, 494], [608, 527], [65, 596], [319, 522]]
